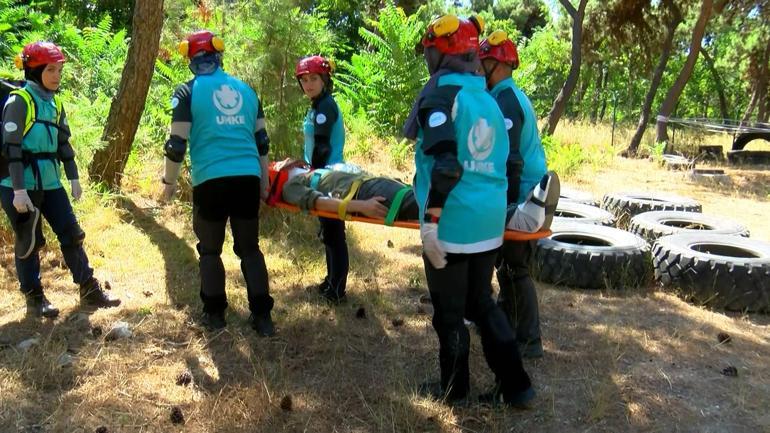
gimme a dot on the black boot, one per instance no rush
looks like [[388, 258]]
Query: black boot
[[91, 294], [213, 320], [518, 400], [263, 324], [38, 305]]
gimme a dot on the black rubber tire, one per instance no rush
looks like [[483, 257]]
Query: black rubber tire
[[617, 259], [626, 205], [742, 140], [577, 196], [748, 157], [570, 211], [652, 225], [724, 280]]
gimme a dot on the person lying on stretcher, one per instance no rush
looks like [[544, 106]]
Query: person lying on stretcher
[[345, 189]]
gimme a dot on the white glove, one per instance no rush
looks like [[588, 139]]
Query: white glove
[[530, 215], [22, 202], [431, 245], [168, 192], [77, 190]]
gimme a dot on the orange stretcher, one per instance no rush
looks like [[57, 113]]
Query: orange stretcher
[[510, 235]]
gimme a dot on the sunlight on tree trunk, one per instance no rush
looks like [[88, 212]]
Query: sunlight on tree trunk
[[560, 103], [672, 97], [127, 107], [657, 76]]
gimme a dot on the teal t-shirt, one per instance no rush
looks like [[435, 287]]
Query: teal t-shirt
[[473, 217], [324, 119], [530, 147], [224, 113], [41, 138]]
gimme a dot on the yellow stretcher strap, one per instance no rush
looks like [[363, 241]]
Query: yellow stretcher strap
[[342, 210]]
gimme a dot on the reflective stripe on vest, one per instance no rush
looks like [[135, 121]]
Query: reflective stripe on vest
[[32, 110]]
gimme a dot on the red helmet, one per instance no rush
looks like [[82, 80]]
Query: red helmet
[[38, 54], [202, 40], [453, 35], [497, 46], [314, 65], [278, 172]]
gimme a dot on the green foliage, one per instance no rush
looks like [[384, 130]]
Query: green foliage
[[385, 78], [564, 158], [19, 23], [96, 56], [545, 61]]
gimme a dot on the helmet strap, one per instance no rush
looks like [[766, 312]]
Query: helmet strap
[[488, 72]]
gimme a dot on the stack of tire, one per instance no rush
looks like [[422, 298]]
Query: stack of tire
[[710, 260], [585, 251]]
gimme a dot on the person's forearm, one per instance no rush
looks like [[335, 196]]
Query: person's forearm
[[328, 204], [263, 165]]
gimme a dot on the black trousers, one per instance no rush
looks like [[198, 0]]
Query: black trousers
[[463, 289], [214, 202], [388, 188], [332, 235], [518, 296]]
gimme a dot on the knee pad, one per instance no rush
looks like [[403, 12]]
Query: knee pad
[[74, 236]]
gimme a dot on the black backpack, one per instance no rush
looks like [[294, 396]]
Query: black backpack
[[6, 87]]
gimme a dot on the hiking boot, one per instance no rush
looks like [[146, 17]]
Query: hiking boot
[[519, 400], [26, 233], [263, 324], [92, 295], [331, 295], [38, 306], [213, 321], [334, 299], [435, 391]]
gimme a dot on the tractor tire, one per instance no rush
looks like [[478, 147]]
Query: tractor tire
[[577, 196], [592, 257], [652, 225], [570, 211], [626, 205], [738, 157], [716, 270]]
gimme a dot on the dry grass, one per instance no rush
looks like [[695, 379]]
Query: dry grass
[[628, 361]]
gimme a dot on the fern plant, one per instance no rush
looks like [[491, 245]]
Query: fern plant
[[384, 79], [19, 23]]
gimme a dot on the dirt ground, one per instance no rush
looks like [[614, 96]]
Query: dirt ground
[[620, 361]]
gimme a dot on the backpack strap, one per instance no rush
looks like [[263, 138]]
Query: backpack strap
[[31, 117]]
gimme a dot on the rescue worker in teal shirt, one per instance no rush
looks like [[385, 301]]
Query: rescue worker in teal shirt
[[223, 121], [527, 178], [324, 142], [460, 186], [35, 144]]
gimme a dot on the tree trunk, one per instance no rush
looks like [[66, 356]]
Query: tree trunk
[[595, 103], [724, 112], [672, 97], [762, 88], [766, 115], [560, 103], [582, 90], [657, 76], [750, 107], [127, 107]]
